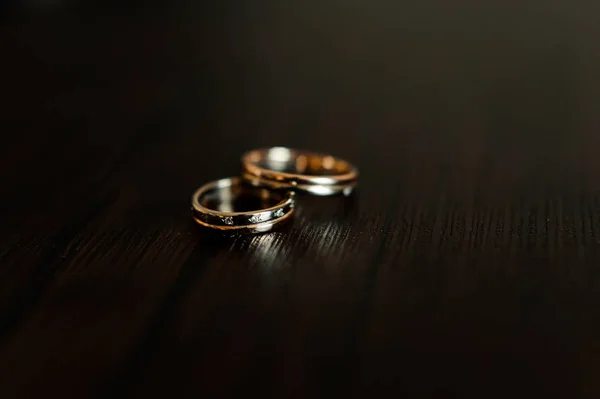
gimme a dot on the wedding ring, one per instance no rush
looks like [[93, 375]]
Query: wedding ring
[[231, 205], [283, 168]]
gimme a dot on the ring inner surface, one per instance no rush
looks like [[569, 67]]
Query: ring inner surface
[[240, 198], [286, 161]]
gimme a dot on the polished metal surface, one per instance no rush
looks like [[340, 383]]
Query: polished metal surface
[[214, 206], [282, 168]]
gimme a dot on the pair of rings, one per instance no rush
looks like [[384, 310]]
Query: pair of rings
[[264, 196]]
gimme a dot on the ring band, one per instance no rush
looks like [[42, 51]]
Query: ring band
[[213, 206], [284, 168]]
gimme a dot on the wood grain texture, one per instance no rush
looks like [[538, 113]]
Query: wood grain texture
[[467, 265]]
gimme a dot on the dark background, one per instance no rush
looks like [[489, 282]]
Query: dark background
[[467, 265]]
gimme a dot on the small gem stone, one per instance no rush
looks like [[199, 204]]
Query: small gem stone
[[255, 218], [228, 221], [279, 213]]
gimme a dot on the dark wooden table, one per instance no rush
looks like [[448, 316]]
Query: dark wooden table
[[467, 265]]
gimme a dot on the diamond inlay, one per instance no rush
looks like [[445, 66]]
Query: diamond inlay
[[255, 218], [227, 220], [279, 213]]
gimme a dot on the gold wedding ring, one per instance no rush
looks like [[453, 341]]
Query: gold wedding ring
[[282, 168], [231, 205]]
